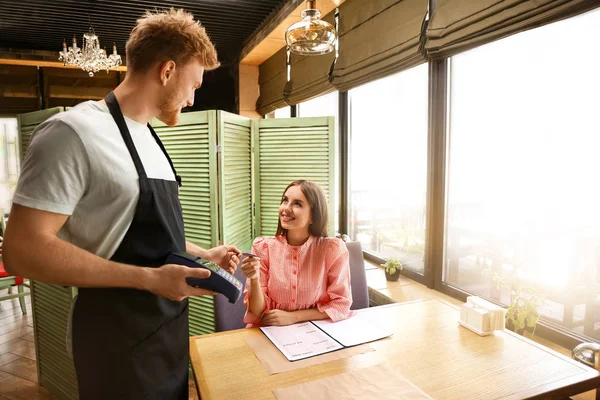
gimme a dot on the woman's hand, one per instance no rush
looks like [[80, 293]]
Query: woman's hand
[[226, 257], [251, 267], [278, 318]]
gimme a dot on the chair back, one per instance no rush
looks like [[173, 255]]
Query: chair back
[[230, 316], [358, 278]]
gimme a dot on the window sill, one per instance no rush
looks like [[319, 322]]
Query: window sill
[[381, 291]]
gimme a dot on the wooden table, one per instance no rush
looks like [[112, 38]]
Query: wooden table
[[428, 348]]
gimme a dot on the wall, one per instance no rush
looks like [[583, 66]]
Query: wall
[[248, 90], [69, 87], [25, 89], [218, 91], [18, 89], [28, 88]]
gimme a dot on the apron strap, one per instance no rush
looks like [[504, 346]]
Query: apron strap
[[162, 147], [115, 111]]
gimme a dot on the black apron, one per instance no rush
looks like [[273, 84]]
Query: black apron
[[128, 343]]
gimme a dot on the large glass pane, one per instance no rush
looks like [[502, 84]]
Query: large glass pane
[[285, 112], [388, 166], [523, 195], [322, 106]]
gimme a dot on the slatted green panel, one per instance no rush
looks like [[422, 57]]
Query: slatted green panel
[[235, 179], [191, 146], [202, 315], [28, 122], [286, 150], [51, 305]]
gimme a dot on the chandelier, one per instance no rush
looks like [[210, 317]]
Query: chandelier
[[311, 36], [91, 58]]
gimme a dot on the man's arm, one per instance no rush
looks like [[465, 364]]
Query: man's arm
[[227, 257], [196, 250], [32, 249]]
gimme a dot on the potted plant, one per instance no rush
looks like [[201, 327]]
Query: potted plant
[[392, 269], [522, 313]]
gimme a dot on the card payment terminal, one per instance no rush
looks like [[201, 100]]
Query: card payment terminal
[[219, 281]]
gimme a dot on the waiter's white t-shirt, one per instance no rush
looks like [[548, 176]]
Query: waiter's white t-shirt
[[78, 165]]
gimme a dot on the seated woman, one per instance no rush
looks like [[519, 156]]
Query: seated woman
[[302, 274]]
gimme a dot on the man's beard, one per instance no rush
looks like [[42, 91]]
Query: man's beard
[[169, 115], [169, 110]]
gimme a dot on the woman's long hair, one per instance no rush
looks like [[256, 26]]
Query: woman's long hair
[[318, 208]]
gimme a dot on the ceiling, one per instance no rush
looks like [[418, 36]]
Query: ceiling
[[43, 24], [275, 40]]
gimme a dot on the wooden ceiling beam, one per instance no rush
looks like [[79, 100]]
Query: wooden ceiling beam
[[269, 26]]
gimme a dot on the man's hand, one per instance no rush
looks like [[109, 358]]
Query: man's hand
[[169, 281], [278, 318], [226, 257]]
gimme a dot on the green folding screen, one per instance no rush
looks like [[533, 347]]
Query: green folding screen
[[286, 150], [28, 122], [235, 180], [212, 151], [51, 305], [192, 148]]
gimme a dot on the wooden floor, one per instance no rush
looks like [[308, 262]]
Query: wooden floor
[[18, 369]]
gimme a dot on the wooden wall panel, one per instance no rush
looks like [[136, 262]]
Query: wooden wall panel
[[62, 87], [18, 89]]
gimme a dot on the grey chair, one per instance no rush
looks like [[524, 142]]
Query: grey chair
[[358, 278], [229, 316]]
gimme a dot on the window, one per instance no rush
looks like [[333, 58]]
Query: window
[[284, 112], [9, 162], [523, 200], [322, 106], [388, 166]]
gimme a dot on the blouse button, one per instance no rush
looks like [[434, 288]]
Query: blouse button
[[293, 300], [295, 258], [293, 286], [294, 272]]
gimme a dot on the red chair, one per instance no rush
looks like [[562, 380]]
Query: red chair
[[8, 281]]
